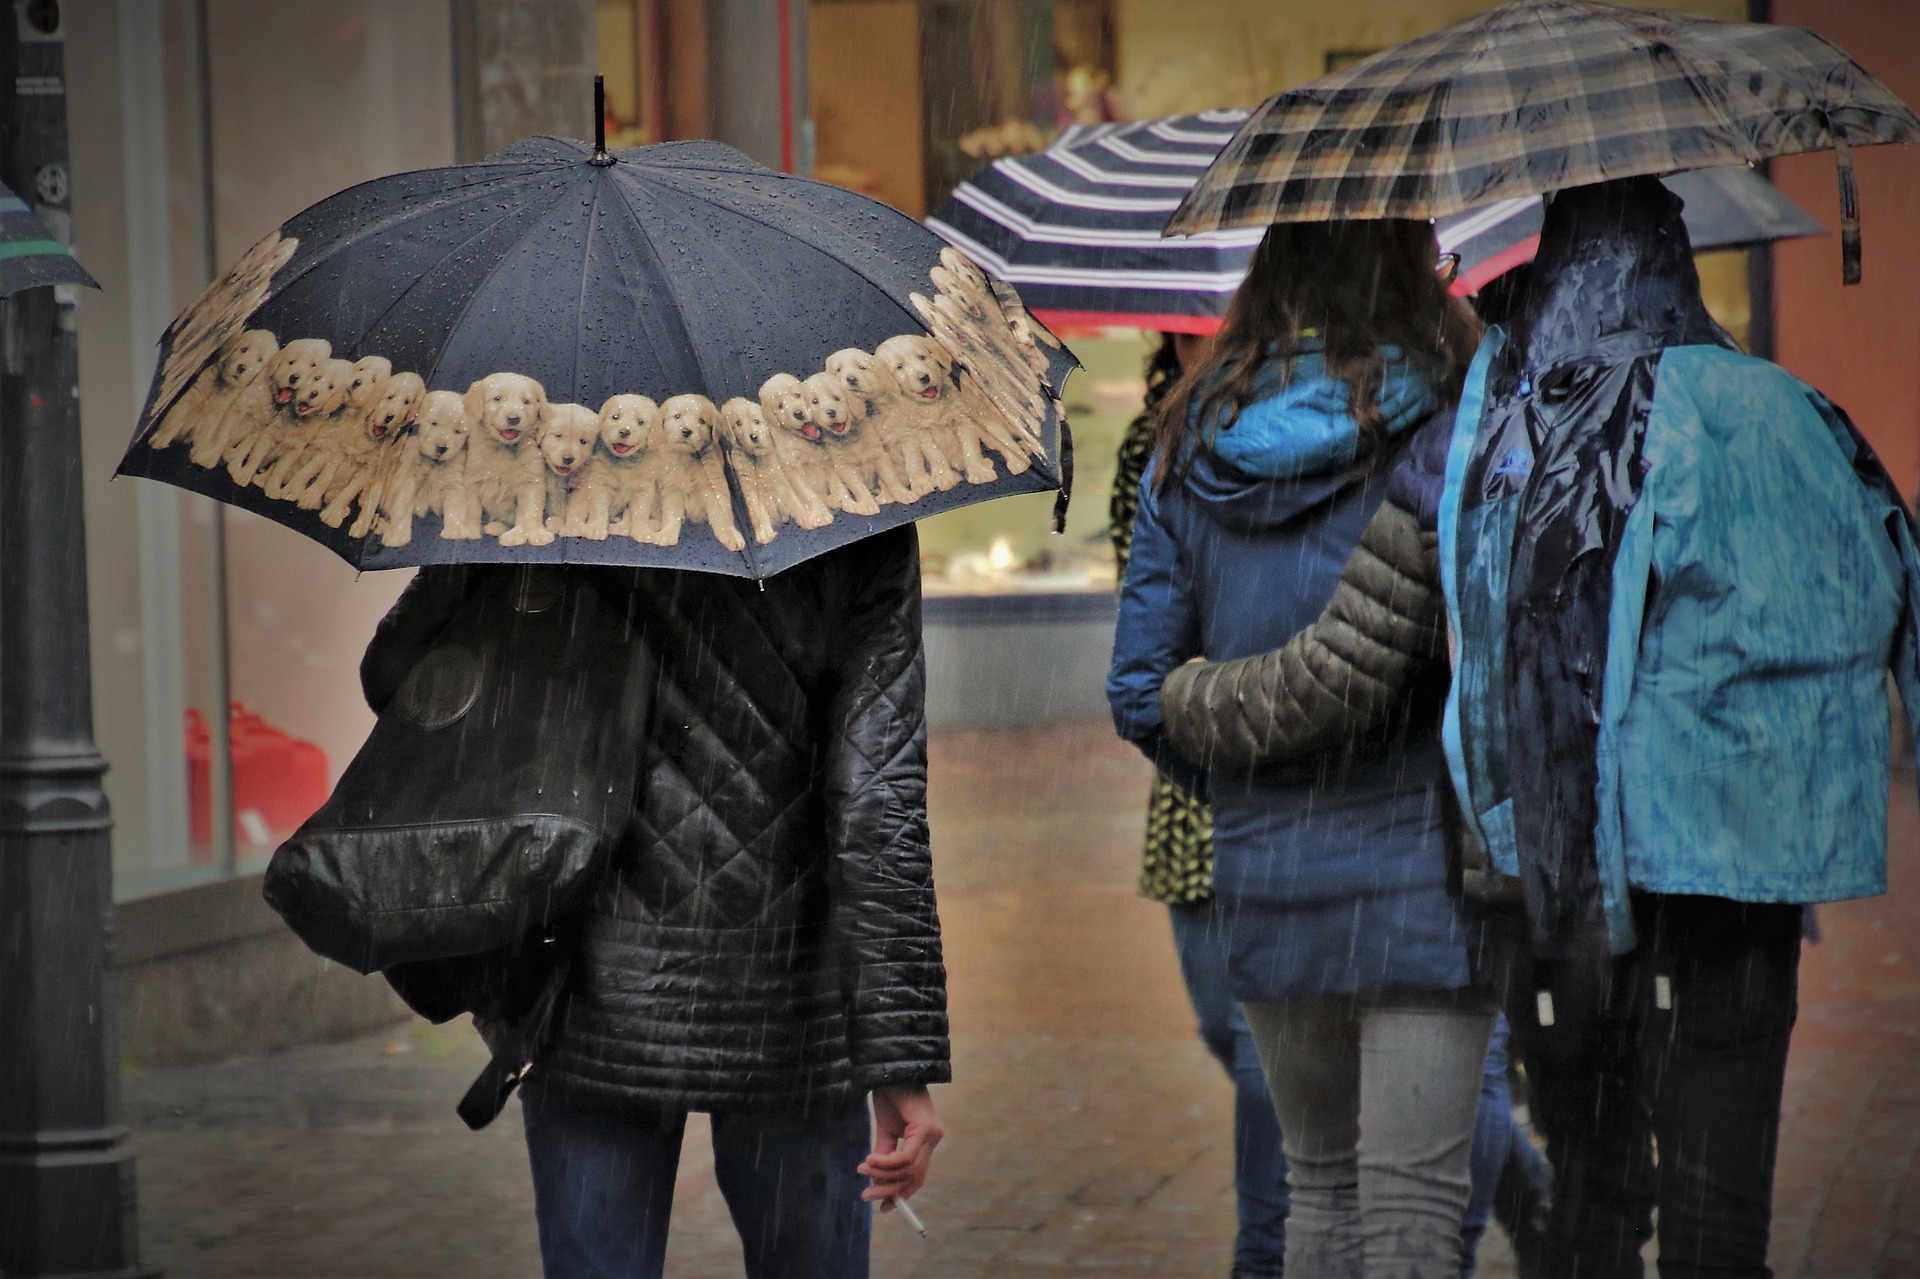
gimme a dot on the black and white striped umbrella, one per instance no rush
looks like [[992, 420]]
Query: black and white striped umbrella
[[1077, 228]]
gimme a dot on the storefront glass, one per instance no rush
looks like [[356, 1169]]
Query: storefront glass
[[196, 604]]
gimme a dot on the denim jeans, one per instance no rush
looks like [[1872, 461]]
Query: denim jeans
[[603, 1187], [1259, 1166], [1378, 1096], [1681, 1046], [1503, 1157]]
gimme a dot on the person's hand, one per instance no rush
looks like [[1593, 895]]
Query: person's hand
[[905, 1131]]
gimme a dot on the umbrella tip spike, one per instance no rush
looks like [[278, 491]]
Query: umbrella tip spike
[[600, 157]]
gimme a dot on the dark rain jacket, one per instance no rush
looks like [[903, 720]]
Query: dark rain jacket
[[1679, 579], [766, 936], [1330, 874]]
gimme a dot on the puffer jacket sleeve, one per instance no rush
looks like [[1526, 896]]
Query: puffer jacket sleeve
[[1343, 677], [884, 915]]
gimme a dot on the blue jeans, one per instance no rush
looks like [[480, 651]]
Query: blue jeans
[[1497, 1143], [603, 1187], [1259, 1167]]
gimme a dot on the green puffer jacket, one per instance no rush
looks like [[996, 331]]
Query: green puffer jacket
[[1341, 679]]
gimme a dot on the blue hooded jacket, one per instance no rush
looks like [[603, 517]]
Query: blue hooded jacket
[[1678, 579], [1330, 876]]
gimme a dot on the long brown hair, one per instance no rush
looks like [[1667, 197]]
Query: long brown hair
[[1355, 287]]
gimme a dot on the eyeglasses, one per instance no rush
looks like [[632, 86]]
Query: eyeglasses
[[1447, 267]]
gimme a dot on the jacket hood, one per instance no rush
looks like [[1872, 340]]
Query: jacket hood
[[1614, 278], [1295, 446]]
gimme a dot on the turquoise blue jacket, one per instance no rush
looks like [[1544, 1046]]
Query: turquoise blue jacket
[[1763, 588]]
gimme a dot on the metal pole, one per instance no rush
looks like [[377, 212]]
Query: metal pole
[[66, 1168]]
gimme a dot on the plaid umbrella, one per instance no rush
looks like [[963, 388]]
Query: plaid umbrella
[[1539, 95], [29, 254]]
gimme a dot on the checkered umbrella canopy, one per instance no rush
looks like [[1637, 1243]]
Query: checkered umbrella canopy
[[1535, 96]]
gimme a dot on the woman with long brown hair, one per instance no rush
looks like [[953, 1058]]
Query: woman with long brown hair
[[1340, 353]]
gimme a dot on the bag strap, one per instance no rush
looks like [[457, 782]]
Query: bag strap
[[519, 1048]]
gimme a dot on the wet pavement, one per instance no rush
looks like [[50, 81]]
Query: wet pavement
[[1088, 1131]]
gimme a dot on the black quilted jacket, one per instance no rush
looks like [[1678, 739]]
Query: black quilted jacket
[[767, 936]]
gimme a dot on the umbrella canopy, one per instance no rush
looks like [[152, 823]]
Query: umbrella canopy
[[666, 356], [1077, 228], [30, 255], [1536, 96], [1727, 208]]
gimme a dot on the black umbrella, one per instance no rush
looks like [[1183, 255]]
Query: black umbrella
[[664, 356], [30, 255]]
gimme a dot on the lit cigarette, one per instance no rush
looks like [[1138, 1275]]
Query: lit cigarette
[[913, 1218]]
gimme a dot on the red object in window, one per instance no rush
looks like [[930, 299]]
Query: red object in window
[[278, 781]]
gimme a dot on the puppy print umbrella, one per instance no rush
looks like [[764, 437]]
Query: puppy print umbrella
[[665, 356]]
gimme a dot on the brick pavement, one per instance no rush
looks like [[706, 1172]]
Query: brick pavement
[[1088, 1131]]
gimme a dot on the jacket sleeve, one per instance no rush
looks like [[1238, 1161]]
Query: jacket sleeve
[[426, 605], [884, 915], [1332, 683], [1158, 629]]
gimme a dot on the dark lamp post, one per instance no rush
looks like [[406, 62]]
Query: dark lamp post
[[66, 1169]]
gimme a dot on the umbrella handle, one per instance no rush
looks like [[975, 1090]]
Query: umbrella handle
[[1849, 210]]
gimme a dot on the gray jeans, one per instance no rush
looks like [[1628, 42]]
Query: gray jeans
[[1377, 1097]]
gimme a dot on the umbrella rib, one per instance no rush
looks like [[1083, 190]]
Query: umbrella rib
[[686, 336], [735, 211], [405, 215], [580, 299], [667, 281], [417, 282], [479, 287]]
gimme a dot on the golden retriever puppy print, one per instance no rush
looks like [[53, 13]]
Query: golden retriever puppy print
[[570, 447], [318, 406], [984, 308], [303, 396], [924, 371], [629, 485], [201, 404], [801, 446], [772, 495], [1019, 398], [221, 311], [989, 299], [693, 478], [431, 477], [801, 442], [859, 458], [505, 411], [922, 467], [260, 401], [336, 444], [375, 455]]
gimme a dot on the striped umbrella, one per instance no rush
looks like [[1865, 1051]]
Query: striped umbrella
[[1537, 96], [1077, 228], [29, 254]]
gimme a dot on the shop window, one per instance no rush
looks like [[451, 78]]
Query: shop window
[[627, 33], [226, 658]]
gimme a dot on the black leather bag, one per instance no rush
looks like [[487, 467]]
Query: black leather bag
[[488, 798]]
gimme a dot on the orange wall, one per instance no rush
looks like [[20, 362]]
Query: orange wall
[[1860, 345]]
